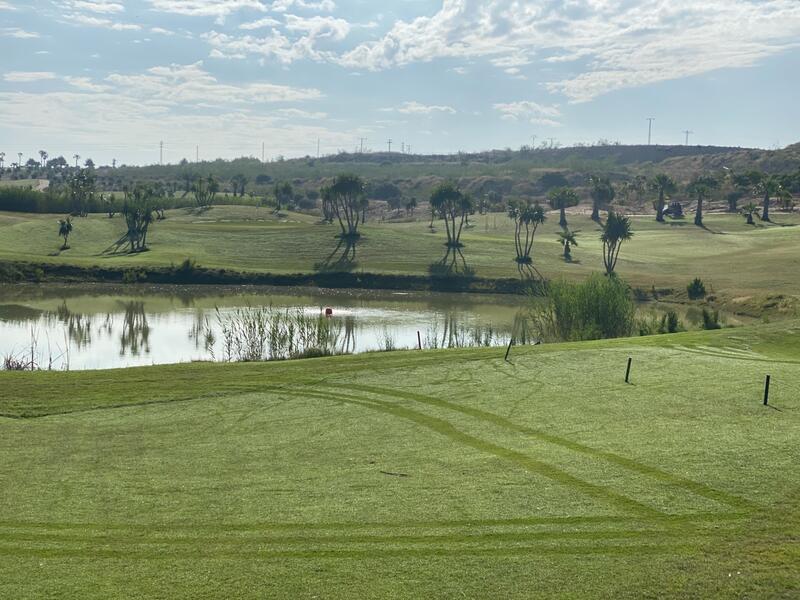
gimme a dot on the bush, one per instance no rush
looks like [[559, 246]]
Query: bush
[[711, 319], [598, 308], [655, 325], [696, 289]]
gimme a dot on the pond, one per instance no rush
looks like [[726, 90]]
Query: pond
[[101, 326]]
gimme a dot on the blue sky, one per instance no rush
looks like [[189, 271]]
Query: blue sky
[[112, 78]]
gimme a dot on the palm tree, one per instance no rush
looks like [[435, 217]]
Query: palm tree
[[43, 156], [769, 185], [747, 212], [64, 229], [700, 187], [2, 159], [567, 239], [77, 157], [602, 194], [454, 207], [664, 185], [560, 199], [529, 216], [616, 230]]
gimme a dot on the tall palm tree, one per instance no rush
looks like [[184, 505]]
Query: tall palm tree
[[560, 199], [2, 159], [77, 158], [701, 187], [616, 230], [567, 239], [602, 194], [64, 229], [43, 156], [664, 185]]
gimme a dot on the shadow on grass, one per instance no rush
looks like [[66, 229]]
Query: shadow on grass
[[342, 258], [452, 264]]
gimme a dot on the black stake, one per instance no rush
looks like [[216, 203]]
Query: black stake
[[419, 340], [510, 342], [766, 392], [628, 370]]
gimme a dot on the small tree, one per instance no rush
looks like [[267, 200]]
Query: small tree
[[561, 198], [138, 208], [64, 229], [616, 230], [454, 207], [81, 189], [747, 212], [664, 185], [528, 216], [284, 194], [328, 210], [567, 239], [602, 194], [349, 203], [696, 289]]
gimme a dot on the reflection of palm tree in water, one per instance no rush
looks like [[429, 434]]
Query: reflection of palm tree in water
[[349, 340], [135, 330], [78, 326]]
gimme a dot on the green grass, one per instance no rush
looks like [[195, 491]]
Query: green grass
[[412, 474], [735, 260]]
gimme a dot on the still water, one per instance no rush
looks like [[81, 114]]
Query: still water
[[100, 327]]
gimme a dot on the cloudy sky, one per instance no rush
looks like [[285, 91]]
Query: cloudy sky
[[112, 78]]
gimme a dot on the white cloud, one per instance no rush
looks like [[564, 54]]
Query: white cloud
[[416, 108], [296, 113], [18, 33], [319, 27], [261, 23], [28, 76], [321, 5], [207, 8], [188, 85], [624, 44], [90, 21], [161, 31], [6, 6], [85, 83], [529, 111], [97, 6]]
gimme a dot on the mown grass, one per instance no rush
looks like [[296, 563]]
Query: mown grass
[[735, 260], [412, 474]]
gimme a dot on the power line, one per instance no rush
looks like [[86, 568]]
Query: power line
[[688, 133], [161, 153], [390, 144], [362, 140], [650, 129]]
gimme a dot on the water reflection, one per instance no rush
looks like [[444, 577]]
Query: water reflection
[[135, 335], [149, 325]]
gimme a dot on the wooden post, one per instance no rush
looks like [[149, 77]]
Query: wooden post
[[419, 340], [628, 370], [766, 392], [510, 342]]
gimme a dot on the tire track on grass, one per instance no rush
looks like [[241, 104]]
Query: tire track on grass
[[695, 487], [533, 465]]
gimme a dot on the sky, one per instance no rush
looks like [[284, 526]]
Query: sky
[[111, 79]]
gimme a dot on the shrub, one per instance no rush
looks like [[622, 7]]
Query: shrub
[[696, 289], [600, 307], [711, 319], [655, 325]]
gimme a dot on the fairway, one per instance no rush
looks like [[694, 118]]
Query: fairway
[[742, 264], [412, 474]]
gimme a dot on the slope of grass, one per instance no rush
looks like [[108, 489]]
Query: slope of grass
[[735, 259], [412, 474]]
